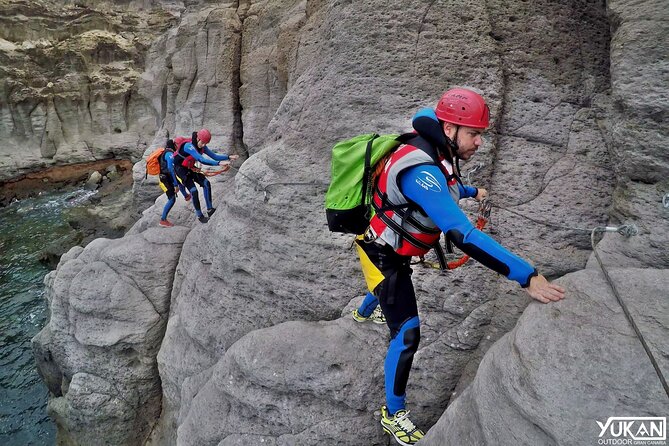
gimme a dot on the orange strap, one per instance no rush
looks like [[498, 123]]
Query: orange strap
[[480, 224], [212, 173], [481, 221]]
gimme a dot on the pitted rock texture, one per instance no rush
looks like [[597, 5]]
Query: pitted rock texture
[[97, 354], [339, 87], [556, 373], [259, 347]]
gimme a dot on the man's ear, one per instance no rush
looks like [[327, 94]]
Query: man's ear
[[449, 129]]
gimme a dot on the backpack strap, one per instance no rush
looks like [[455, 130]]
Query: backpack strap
[[414, 139], [367, 170]]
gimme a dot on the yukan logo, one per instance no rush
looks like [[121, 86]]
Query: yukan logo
[[633, 431], [428, 182]]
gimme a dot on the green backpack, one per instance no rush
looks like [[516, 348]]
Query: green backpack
[[348, 199]]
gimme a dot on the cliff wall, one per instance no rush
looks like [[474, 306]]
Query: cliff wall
[[242, 330], [69, 82]]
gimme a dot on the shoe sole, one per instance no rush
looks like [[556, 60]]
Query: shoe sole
[[389, 432], [367, 320]]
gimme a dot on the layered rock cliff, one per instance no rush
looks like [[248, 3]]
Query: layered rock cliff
[[69, 90], [238, 331]]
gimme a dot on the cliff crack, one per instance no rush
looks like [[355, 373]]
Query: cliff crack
[[60, 118], [192, 82], [126, 107], [89, 149], [420, 30], [237, 109], [134, 283], [88, 105]]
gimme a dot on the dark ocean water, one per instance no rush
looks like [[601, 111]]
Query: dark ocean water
[[27, 227]]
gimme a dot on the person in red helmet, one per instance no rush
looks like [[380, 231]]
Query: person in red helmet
[[416, 200], [192, 150]]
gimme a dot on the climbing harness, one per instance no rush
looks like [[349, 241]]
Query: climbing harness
[[210, 173], [627, 230]]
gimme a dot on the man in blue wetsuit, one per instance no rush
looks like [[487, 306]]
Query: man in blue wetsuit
[[169, 183], [416, 199], [194, 151]]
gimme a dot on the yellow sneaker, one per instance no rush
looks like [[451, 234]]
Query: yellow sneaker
[[377, 316], [400, 427]]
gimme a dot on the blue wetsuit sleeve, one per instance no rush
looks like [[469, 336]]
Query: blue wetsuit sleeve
[[426, 186], [217, 156], [467, 191], [190, 149]]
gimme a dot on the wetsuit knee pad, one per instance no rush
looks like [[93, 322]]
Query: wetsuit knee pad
[[409, 335], [399, 361]]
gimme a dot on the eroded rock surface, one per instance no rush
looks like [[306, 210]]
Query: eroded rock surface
[[109, 304], [259, 347], [564, 367], [69, 82]]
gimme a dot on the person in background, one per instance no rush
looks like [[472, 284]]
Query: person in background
[[168, 182], [195, 150]]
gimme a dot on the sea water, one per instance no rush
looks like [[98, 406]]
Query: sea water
[[26, 228]]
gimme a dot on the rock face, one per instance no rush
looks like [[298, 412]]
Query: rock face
[[526, 390], [555, 374], [98, 352], [259, 347], [69, 82]]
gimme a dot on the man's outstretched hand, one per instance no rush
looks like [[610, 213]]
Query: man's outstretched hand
[[481, 195], [544, 291]]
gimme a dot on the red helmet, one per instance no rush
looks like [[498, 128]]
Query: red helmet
[[463, 107], [204, 135]]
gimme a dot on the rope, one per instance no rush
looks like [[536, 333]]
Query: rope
[[211, 173], [473, 171], [627, 231], [541, 222]]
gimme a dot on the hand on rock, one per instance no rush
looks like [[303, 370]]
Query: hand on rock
[[544, 291], [481, 195]]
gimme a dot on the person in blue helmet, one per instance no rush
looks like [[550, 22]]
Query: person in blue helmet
[[190, 151], [416, 200], [169, 183]]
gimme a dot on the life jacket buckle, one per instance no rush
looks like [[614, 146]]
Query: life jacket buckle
[[369, 236]]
